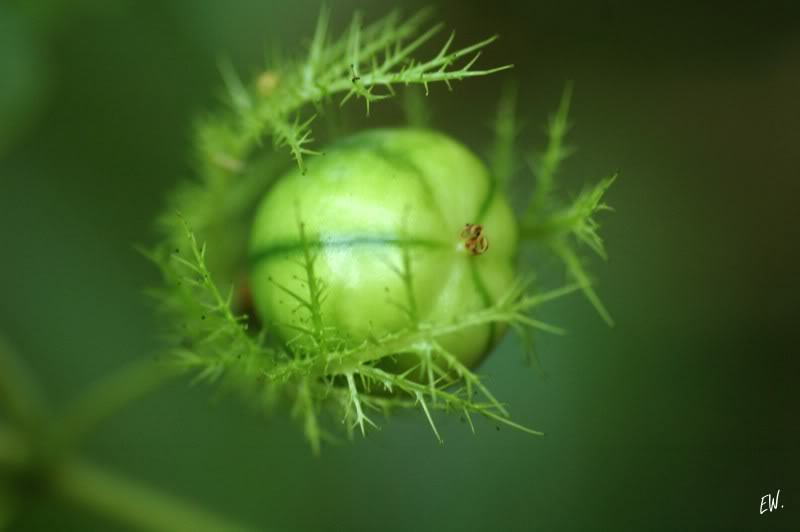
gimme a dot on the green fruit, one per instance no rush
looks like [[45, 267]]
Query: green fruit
[[369, 198]]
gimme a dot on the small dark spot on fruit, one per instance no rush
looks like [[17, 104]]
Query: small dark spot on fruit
[[203, 317], [497, 429]]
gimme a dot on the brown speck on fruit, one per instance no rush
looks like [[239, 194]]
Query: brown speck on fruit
[[474, 239]]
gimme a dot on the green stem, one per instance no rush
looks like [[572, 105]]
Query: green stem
[[80, 483], [107, 396], [133, 504], [126, 502], [20, 395]]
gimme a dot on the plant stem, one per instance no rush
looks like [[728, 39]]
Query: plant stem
[[20, 395], [80, 483], [107, 396], [127, 502], [132, 503]]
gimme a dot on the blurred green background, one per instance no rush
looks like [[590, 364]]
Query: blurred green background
[[681, 417]]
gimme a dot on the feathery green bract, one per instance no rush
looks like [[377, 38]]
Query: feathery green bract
[[502, 158], [325, 380], [561, 226], [366, 62], [320, 371]]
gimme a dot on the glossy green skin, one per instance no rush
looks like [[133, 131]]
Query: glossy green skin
[[367, 198]]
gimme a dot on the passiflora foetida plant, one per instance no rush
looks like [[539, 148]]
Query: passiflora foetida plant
[[374, 270], [340, 276]]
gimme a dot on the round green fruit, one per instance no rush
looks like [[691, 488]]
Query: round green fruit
[[381, 211]]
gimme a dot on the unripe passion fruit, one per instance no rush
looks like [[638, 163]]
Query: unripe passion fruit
[[369, 198]]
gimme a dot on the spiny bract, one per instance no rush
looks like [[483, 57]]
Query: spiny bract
[[368, 243]]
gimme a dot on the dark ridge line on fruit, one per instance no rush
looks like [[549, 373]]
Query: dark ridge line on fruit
[[487, 201], [486, 299], [292, 247]]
